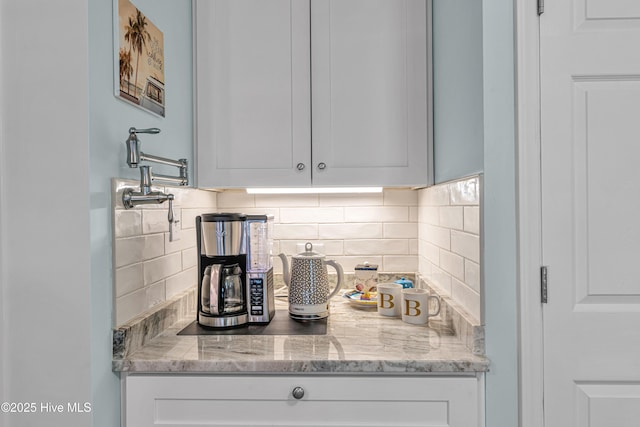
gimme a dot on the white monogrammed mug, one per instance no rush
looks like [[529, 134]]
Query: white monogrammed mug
[[389, 299], [415, 306]]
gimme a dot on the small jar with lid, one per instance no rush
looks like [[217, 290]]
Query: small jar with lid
[[366, 277], [406, 283]]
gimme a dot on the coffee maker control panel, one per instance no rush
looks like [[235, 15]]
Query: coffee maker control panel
[[261, 301], [256, 296]]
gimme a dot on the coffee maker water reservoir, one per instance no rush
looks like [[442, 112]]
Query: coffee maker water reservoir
[[260, 268]]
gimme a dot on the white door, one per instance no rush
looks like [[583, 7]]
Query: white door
[[590, 117]]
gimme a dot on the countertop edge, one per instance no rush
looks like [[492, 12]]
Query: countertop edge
[[302, 366]]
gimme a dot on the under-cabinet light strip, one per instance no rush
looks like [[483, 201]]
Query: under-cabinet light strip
[[314, 190]]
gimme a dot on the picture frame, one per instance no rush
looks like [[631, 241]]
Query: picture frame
[[138, 59]]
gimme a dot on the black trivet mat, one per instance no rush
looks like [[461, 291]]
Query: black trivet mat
[[281, 324]]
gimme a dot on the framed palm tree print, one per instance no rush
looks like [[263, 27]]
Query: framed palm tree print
[[139, 59]]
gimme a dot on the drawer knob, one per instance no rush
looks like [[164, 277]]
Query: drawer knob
[[322, 166], [300, 166], [298, 393]]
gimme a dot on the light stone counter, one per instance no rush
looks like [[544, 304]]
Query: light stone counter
[[357, 341]]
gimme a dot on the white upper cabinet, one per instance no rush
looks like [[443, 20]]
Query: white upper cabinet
[[252, 92], [369, 92], [319, 92]]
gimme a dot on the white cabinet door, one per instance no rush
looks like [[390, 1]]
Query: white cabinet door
[[370, 109], [178, 400], [590, 101], [252, 93]]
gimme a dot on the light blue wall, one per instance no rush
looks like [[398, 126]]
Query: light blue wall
[[499, 255], [458, 88], [109, 120], [474, 120]]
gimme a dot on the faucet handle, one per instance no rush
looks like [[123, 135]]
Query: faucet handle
[[133, 145], [133, 130]]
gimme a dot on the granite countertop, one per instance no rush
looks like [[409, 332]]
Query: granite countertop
[[357, 341]]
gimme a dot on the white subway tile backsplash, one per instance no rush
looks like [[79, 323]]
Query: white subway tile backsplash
[[441, 279], [313, 215], [155, 221], [373, 199], [188, 217], [465, 192], [451, 217], [155, 294], [376, 247], [466, 297], [326, 247], [376, 214], [295, 231], [414, 213], [349, 262], [159, 268], [187, 240], [472, 275], [189, 258], [148, 268], [449, 240], [282, 200], [127, 223], [429, 215], [439, 236], [435, 196], [400, 197], [181, 282], [129, 306], [329, 247], [430, 251], [235, 199], [128, 279], [365, 230], [472, 219], [466, 244], [136, 249], [414, 247], [193, 198], [400, 230], [452, 264], [133, 304], [425, 267], [400, 264]]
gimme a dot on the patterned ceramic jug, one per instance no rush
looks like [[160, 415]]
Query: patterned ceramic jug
[[308, 284]]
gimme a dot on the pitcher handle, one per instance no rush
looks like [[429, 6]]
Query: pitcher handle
[[286, 274], [340, 272]]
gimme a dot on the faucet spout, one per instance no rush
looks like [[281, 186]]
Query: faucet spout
[[132, 198]]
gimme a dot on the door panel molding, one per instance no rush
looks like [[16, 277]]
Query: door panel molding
[[602, 104], [603, 404]]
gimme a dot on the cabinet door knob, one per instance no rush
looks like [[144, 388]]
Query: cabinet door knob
[[322, 165], [300, 166], [298, 393]]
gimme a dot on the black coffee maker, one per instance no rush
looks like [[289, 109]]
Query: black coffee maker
[[222, 267]]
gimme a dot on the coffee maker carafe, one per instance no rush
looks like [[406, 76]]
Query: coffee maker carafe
[[222, 261]]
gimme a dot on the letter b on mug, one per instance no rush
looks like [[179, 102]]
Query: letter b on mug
[[415, 306], [389, 299], [412, 308]]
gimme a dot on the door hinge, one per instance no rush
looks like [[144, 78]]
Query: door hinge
[[543, 284], [540, 7]]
